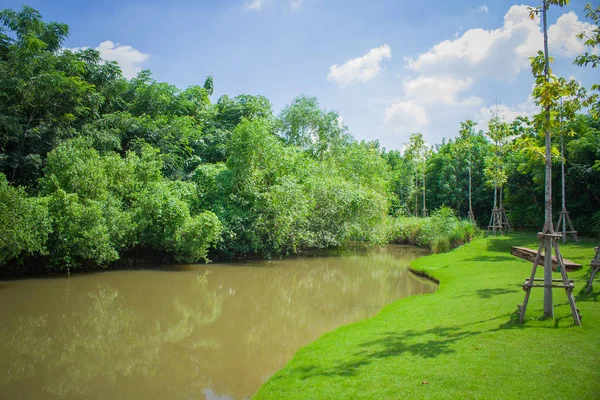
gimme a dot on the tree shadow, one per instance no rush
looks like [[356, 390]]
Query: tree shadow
[[583, 243], [583, 295], [429, 343], [491, 258], [500, 244], [488, 293], [491, 292]]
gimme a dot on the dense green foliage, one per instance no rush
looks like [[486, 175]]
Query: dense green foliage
[[463, 341], [94, 166], [441, 232]]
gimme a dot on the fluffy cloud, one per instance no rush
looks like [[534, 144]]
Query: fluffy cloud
[[439, 90], [405, 117], [254, 4], [483, 9], [360, 69], [296, 4], [499, 52], [129, 59], [526, 109], [562, 35], [257, 5]]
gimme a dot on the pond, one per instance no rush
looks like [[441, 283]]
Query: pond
[[215, 331]]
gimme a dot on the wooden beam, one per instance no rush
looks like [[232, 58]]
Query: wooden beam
[[529, 255]]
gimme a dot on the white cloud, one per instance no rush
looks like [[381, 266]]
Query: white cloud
[[442, 89], [439, 90], [360, 69], [499, 53], [526, 109], [483, 9], [254, 5], [405, 117], [296, 4], [562, 35], [129, 59], [257, 5]]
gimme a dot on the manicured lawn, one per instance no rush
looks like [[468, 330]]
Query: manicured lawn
[[464, 341]]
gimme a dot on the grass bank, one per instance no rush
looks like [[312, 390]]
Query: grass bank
[[464, 341]]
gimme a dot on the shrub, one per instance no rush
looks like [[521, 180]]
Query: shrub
[[25, 223], [441, 232]]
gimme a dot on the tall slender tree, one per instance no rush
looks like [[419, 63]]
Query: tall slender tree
[[467, 130], [416, 153], [547, 92]]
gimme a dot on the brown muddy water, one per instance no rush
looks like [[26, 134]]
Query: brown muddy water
[[214, 331]]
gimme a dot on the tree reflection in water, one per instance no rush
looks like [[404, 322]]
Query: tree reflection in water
[[204, 331]]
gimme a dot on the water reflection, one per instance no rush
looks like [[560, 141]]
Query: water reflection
[[203, 332]]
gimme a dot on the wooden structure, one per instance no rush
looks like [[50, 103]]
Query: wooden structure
[[530, 255], [471, 216], [498, 221], [563, 218], [503, 218], [564, 282], [595, 268]]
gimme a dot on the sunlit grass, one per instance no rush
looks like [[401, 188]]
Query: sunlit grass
[[464, 341]]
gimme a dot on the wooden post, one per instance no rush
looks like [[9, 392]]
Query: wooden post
[[471, 215], [548, 229], [416, 193], [425, 213], [563, 218], [502, 213], [595, 264]]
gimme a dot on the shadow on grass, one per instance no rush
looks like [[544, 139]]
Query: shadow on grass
[[583, 243], [593, 295], [488, 293], [491, 258], [491, 292], [429, 343], [502, 244]]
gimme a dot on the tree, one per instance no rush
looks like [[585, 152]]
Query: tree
[[44, 94], [465, 142], [547, 91], [499, 133], [416, 152], [320, 132]]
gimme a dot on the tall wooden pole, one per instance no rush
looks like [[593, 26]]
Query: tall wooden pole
[[417, 193], [424, 188], [470, 195], [548, 228]]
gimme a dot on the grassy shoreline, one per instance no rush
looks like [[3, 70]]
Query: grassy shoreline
[[463, 341]]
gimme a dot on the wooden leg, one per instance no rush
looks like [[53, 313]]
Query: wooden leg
[[592, 275], [538, 256], [568, 287]]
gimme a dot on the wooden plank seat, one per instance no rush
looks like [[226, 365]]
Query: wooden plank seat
[[530, 254]]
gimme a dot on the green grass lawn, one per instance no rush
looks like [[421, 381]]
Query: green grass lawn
[[463, 341]]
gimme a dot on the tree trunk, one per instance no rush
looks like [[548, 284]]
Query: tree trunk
[[470, 201], [548, 229], [424, 188]]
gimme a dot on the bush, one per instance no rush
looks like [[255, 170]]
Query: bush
[[25, 223], [441, 232]]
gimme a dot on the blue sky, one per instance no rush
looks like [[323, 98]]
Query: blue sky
[[390, 68]]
